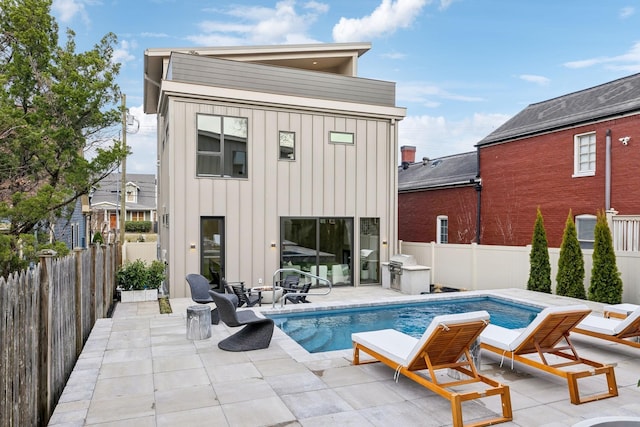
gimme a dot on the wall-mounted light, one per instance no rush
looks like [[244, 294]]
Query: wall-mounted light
[[384, 243], [192, 246], [625, 140], [273, 244]]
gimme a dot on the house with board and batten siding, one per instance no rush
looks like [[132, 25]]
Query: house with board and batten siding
[[271, 157]]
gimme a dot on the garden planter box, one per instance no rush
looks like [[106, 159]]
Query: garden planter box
[[139, 296]]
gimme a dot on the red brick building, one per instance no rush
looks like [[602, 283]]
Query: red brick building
[[577, 153], [437, 199]]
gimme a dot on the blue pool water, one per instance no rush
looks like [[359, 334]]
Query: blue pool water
[[328, 330]]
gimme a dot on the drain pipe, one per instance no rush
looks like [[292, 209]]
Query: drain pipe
[[607, 172], [478, 188]]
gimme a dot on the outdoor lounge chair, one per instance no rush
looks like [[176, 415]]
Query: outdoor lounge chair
[[444, 345], [622, 331], [244, 296], [542, 340], [199, 286], [257, 331], [298, 296]]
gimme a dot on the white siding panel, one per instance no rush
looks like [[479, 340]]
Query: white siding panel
[[306, 165], [317, 183]]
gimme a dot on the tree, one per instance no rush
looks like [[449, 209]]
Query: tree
[[606, 283], [55, 105], [570, 276], [540, 266]]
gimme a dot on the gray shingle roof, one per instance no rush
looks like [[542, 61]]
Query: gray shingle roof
[[109, 188], [610, 99], [455, 170]]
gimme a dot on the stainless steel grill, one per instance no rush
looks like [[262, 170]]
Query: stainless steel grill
[[396, 263]]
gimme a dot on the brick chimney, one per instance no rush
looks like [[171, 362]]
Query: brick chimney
[[408, 154]]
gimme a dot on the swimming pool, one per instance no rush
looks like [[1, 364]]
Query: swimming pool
[[328, 330]]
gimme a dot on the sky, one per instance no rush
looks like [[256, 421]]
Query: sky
[[461, 67]]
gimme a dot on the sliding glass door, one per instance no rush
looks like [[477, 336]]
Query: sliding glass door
[[320, 246]]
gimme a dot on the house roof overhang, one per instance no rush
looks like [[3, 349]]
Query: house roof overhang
[[337, 58]]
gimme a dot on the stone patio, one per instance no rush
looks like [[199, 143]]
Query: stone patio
[[138, 369]]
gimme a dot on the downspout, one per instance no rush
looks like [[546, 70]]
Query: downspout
[[607, 172], [478, 187]]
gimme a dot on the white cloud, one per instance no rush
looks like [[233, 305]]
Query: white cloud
[[154, 35], [629, 62], [435, 136], [385, 19], [428, 95], [626, 12], [394, 55], [66, 10], [539, 80], [123, 53], [142, 143], [261, 25]]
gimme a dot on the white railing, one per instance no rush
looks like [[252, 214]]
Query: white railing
[[626, 232]]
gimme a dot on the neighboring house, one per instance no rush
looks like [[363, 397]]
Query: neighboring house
[[577, 153], [140, 202], [270, 157], [74, 229], [437, 198]]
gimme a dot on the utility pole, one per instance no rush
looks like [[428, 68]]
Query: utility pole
[[123, 188]]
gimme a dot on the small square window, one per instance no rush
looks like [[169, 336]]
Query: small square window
[[341, 137], [287, 141]]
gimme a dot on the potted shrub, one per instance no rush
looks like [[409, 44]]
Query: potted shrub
[[139, 282]]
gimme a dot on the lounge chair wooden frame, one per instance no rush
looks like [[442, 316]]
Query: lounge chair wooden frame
[[632, 330], [448, 348], [546, 338]]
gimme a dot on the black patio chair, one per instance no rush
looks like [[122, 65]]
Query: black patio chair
[[199, 286], [298, 296], [244, 296], [257, 331]]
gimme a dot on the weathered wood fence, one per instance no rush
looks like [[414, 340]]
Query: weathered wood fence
[[46, 315]]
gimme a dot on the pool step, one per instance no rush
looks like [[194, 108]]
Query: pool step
[[320, 339]]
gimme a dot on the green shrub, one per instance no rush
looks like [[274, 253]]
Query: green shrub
[[606, 283], [540, 266], [570, 276], [136, 275], [137, 226], [98, 239]]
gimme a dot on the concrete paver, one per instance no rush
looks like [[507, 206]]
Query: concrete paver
[[139, 369]]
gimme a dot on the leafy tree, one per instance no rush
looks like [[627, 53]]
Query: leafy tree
[[606, 283], [55, 106], [540, 266], [570, 276]]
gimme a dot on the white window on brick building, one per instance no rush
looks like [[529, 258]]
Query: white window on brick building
[[584, 154], [442, 232]]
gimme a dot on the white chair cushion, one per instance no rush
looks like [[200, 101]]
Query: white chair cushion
[[403, 348], [599, 324], [499, 337]]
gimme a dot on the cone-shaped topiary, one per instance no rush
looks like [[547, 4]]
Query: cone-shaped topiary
[[540, 267], [606, 283], [570, 276]]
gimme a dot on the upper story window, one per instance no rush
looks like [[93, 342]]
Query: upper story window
[[585, 154], [287, 141], [442, 232], [132, 193], [341, 137], [222, 146], [585, 228]]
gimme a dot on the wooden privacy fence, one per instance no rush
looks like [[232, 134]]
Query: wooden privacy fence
[[46, 315]]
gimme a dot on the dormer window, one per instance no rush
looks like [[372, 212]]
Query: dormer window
[[132, 192]]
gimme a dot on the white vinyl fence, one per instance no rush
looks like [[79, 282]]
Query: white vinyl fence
[[483, 267]]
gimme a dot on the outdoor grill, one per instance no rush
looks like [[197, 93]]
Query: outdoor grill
[[396, 263]]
